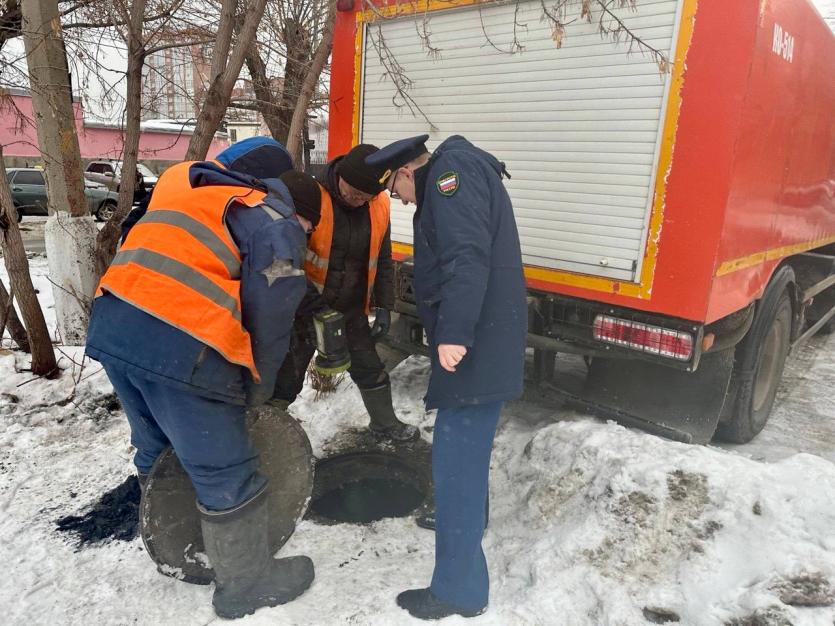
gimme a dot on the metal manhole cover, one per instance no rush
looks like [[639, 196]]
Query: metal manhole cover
[[170, 523]]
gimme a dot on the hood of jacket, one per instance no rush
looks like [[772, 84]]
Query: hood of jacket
[[205, 173]]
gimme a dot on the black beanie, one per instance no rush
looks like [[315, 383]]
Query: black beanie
[[306, 194], [353, 170]]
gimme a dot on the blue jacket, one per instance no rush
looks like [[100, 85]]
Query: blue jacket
[[469, 283], [123, 335]]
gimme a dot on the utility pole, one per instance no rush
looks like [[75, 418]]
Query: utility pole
[[70, 233]]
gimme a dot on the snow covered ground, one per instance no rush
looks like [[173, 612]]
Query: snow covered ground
[[591, 523]]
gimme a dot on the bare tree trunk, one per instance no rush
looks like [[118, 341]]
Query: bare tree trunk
[[70, 233], [264, 97], [317, 64], [108, 237], [14, 256], [52, 104], [220, 90], [299, 46], [9, 319], [223, 42]]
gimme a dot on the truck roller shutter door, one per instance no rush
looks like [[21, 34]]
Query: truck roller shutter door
[[577, 126]]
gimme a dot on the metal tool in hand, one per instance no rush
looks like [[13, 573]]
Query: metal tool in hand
[[331, 343]]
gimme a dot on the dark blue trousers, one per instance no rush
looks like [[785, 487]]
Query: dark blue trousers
[[209, 436], [461, 448]]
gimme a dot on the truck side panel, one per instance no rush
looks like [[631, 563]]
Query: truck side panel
[[783, 177], [714, 126]]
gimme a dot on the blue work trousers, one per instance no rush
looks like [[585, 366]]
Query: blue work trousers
[[209, 436], [461, 448]]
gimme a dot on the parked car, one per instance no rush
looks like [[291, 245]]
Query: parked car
[[29, 194], [109, 173]]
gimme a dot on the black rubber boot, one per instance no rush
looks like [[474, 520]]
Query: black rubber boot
[[247, 577], [425, 517], [384, 422], [423, 605]]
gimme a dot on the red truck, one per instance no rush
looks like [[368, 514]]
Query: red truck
[[673, 184]]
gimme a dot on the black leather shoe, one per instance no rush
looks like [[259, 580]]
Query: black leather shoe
[[423, 605]]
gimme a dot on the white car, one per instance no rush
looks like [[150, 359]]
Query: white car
[[109, 173]]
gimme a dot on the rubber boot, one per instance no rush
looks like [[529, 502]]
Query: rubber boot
[[384, 422], [247, 577]]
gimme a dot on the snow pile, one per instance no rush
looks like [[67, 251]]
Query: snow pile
[[611, 522]]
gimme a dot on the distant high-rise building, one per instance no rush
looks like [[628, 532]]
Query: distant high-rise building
[[175, 82]]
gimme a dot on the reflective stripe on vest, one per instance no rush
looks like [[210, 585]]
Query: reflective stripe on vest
[[320, 242], [200, 232], [180, 264], [181, 273]]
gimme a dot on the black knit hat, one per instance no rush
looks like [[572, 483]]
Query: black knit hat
[[353, 170], [306, 194]]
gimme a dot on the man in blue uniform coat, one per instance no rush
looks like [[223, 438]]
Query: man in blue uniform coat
[[470, 292]]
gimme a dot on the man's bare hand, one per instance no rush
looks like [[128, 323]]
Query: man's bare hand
[[450, 355]]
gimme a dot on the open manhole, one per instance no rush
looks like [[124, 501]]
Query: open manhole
[[362, 487]]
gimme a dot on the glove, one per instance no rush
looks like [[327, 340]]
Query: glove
[[382, 323]]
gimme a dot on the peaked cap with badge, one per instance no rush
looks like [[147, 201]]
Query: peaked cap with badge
[[396, 154]]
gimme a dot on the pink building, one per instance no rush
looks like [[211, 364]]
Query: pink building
[[158, 147]]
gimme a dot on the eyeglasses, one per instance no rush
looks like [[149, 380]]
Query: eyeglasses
[[391, 190]]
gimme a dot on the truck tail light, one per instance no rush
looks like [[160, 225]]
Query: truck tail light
[[672, 344]]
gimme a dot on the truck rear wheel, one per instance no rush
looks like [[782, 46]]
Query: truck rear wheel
[[758, 369]]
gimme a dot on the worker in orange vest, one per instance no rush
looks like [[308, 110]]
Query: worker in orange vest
[[350, 269], [191, 323]]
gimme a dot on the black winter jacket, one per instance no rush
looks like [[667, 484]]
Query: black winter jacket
[[345, 285]]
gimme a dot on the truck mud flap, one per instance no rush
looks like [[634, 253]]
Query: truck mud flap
[[679, 405], [169, 521]]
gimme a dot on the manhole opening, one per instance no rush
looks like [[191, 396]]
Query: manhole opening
[[363, 487]]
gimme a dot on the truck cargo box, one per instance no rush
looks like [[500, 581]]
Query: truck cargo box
[[661, 176]]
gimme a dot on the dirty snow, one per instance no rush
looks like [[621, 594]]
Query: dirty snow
[[591, 523]]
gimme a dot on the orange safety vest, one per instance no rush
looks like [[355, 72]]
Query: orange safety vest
[[180, 264], [319, 245]]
